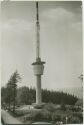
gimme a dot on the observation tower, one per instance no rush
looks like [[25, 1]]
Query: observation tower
[[38, 65]]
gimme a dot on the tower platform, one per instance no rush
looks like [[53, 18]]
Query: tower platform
[[38, 106]]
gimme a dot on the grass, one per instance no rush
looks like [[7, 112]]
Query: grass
[[49, 113]]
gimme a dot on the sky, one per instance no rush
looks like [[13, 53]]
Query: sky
[[60, 42]]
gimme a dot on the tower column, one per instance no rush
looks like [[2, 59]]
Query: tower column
[[38, 89], [38, 71]]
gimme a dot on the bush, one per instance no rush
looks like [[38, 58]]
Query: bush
[[38, 117], [21, 112], [47, 115], [56, 117], [74, 120], [42, 115], [63, 107], [50, 107], [79, 115]]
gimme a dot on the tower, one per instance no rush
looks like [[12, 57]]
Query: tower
[[38, 65]]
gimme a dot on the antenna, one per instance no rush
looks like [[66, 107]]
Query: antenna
[[37, 33]]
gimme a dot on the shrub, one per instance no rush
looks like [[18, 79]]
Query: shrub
[[50, 107], [63, 107], [21, 112], [42, 115], [56, 117], [79, 115], [47, 115], [38, 117], [74, 120]]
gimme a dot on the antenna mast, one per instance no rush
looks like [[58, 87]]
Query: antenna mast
[[37, 33]]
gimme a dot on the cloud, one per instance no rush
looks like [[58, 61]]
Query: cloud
[[77, 26], [16, 25], [17, 30], [57, 13], [60, 17]]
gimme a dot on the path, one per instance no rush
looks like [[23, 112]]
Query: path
[[8, 119]]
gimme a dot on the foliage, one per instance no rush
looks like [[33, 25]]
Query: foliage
[[46, 114], [50, 107], [57, 97], [9, 92], [19, 113], [63, 107], [47, 96], [26, 92], [3, 96], [74, 120], [79, 102], [30, 93], [81, 77], [11, 95], [55, 116]]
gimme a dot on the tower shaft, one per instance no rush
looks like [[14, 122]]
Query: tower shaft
[[38, 89]]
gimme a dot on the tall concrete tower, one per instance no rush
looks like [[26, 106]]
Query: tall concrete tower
[[38, 65]]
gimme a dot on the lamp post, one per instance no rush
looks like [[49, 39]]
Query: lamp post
[[66, 119]]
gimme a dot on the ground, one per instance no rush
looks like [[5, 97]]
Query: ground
[[51, 113], [8, 118]]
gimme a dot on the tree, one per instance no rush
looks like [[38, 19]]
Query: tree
[[79, 103], [12, 88], [26, 92], [23, 95], [3, 97], [81, 77]]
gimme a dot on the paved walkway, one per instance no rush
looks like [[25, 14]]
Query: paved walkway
[[8, 119]]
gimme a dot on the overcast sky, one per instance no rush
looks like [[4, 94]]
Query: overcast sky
[[60, 37]]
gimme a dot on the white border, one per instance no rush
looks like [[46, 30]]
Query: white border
[[82, 36]]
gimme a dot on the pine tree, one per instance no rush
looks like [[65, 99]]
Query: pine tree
[[12, 88]]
